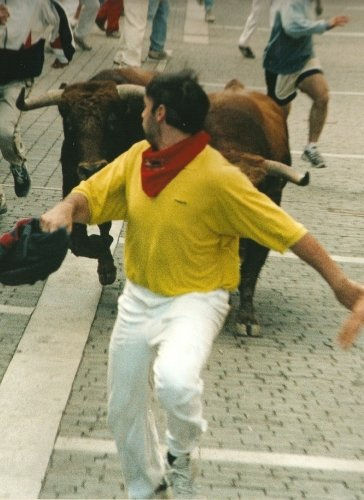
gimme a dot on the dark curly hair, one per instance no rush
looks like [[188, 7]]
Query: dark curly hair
[[185, 100]]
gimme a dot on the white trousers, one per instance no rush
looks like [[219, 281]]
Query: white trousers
[[132, 32], [87, 18], [164, 342], [253, 18]]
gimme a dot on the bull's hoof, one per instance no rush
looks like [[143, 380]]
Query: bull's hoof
[[248, 330], [106, 272]]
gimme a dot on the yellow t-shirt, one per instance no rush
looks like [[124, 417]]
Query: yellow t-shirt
[[186, 238]]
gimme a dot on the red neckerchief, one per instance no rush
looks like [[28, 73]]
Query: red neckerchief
[[160, 167]]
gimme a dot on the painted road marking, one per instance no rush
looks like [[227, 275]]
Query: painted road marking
[[219, 85], [36, 386], [337, 258], [336, 155], [348, 34], [226, 455], [7, 309]]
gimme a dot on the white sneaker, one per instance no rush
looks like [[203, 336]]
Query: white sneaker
[[312, 155], [209, 16], [181, 476], [113, 34]]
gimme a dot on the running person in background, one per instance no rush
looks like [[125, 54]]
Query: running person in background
[[24, 26], [290, 64]]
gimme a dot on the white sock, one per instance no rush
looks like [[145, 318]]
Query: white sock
[[311, 145]]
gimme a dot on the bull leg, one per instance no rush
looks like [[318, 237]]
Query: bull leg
[[106, 268], [80, 242], [254, 256]]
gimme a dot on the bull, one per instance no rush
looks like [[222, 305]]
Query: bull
[[102, 119]]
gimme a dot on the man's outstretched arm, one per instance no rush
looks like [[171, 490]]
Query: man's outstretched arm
[[74, 208], [348, 292]]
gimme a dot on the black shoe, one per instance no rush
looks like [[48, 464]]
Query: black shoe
[[100, 23], [21, 180], [247, 52]]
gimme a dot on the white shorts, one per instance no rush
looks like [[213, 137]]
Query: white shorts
[[282, 88]]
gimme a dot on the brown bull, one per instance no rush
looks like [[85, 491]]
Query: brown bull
[[102, 118]]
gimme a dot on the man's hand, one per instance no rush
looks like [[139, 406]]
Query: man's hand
[[57, 217], [352, 326], [349, 293], [74, 208], [4, 14], [338, 21]]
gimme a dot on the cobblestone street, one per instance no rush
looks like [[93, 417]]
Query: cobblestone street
[[285, 410]]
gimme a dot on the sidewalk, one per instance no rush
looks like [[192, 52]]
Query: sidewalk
[[285, 411]]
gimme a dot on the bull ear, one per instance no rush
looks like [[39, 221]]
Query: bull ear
[[127, 89]]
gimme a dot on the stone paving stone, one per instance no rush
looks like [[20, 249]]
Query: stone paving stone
[[79, 475]]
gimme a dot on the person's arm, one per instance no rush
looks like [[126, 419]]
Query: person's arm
[[296, 24], [74, 208], [348, 292]]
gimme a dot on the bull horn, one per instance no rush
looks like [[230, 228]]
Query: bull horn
[[51, 98], [125, 89], [281, 169]]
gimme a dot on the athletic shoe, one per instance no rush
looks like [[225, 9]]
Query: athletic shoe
[[247, 52], [181, 476], [113, 34], [209, 16], [157, 54], [118, 64], [57, 64], [313, 156], [81, 42], [21, 180], [163, 490]]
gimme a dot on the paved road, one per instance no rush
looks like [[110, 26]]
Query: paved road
[[285, 411]]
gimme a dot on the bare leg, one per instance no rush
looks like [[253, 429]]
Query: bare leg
[[316, 87], [286, 109]]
